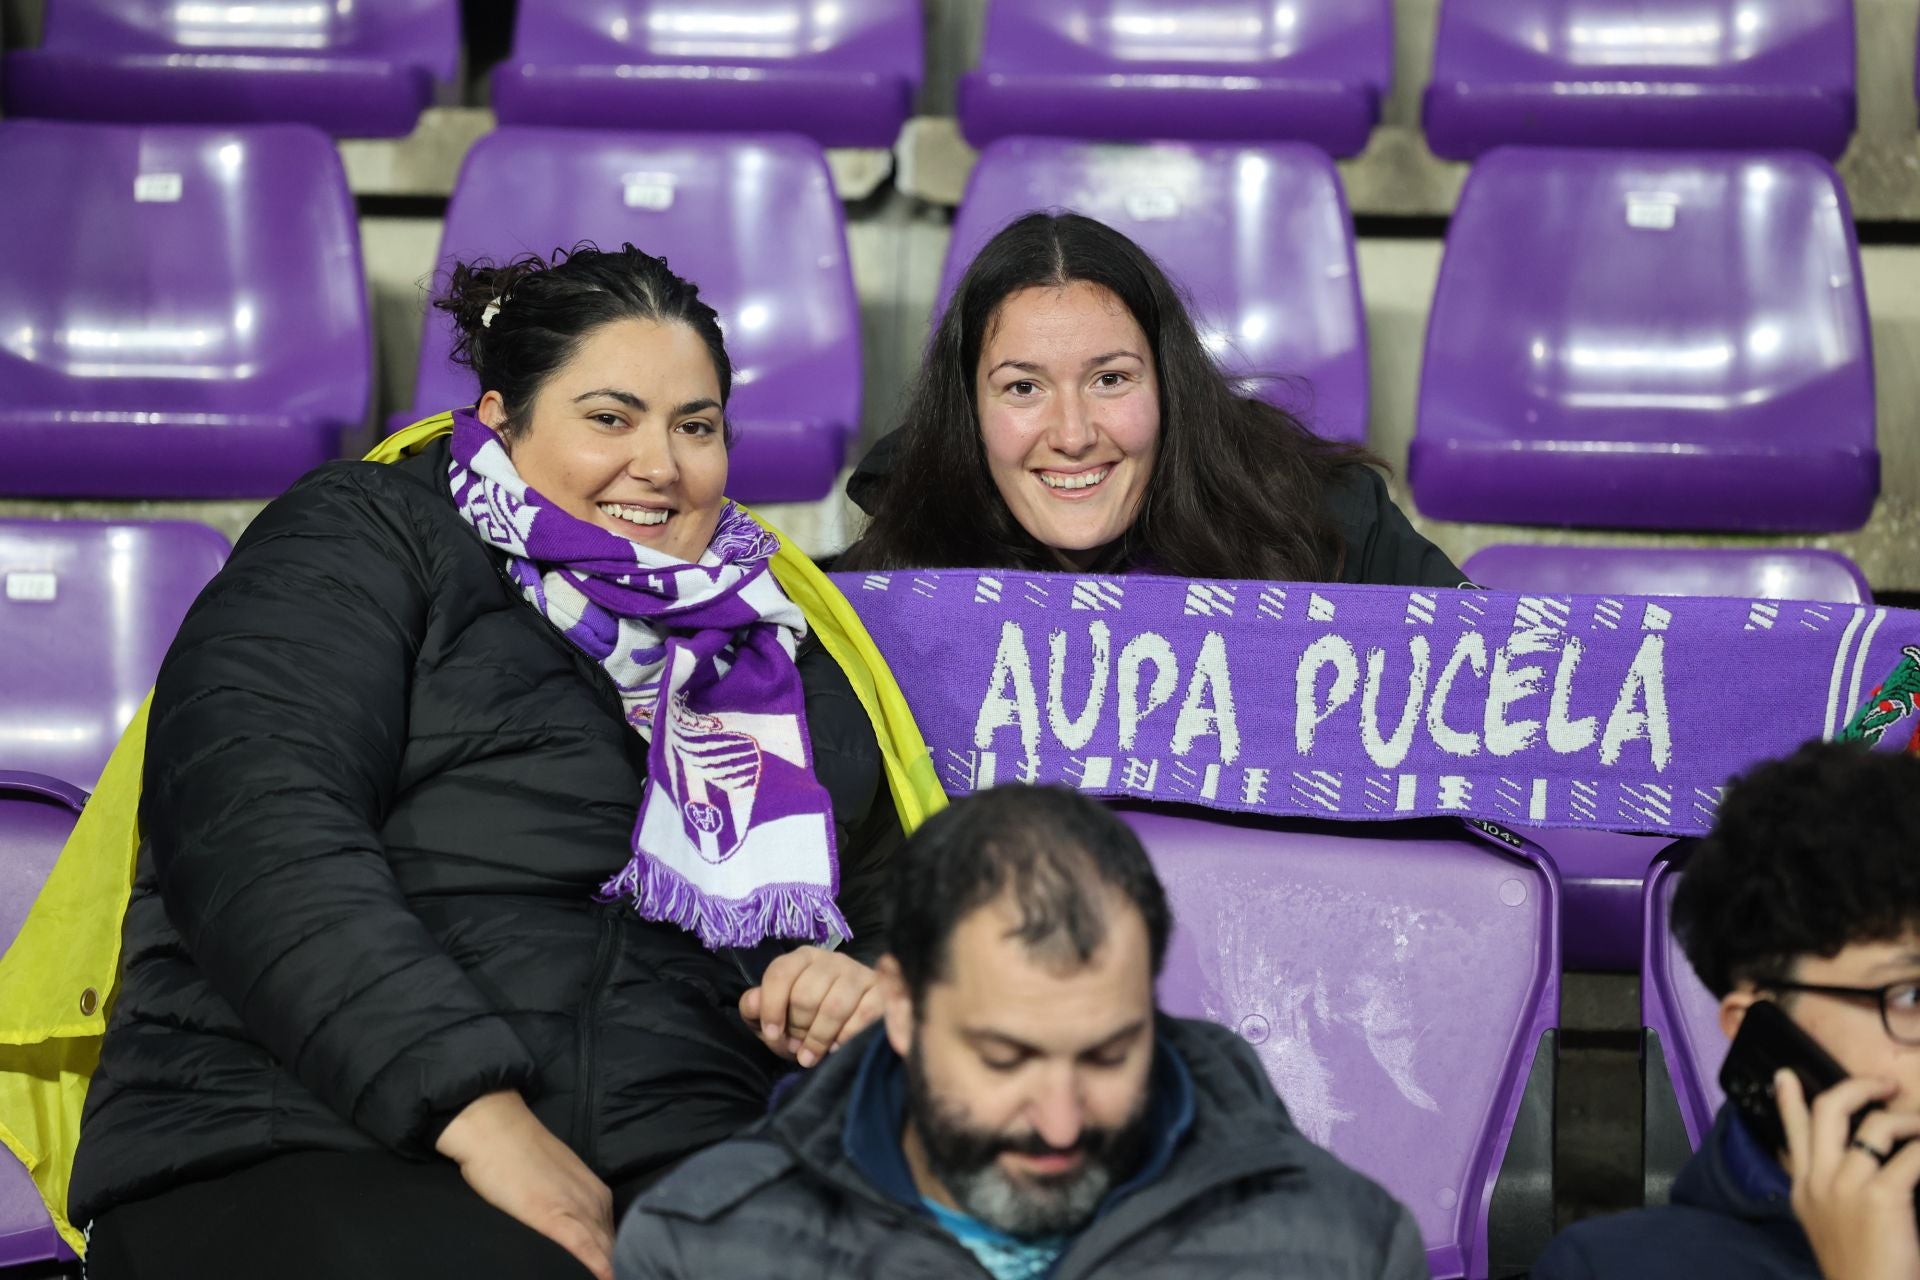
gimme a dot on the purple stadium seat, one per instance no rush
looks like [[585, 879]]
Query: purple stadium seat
[[36, 815], [1400, 983], [358, 70], [1259, 236], [87, 611], [844, 73], [1601, 872], [1228, 71], [1624, 73], [752, 220], [1684, 1044], [184, 314], [1649, 340]]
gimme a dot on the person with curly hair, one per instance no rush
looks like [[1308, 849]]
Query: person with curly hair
[[1806, 893]]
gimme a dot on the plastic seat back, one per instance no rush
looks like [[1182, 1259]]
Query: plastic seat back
[[1602, 872], [1400, 984], [359, 70], [1649, 340], [1621, 73], [845, 73], [87, 612], [191, 319], [1228, 71], [1684, 1043]]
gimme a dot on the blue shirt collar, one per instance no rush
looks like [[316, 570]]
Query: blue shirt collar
[[877, 1111]]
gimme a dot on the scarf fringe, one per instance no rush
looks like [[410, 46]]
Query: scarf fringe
[[804, 912]]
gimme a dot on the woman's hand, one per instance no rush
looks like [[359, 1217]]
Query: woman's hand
[[811, 1002], [520, 1168], [1857, 1211]]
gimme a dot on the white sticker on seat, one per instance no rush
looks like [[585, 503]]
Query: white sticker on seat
[[35, 587], [157, 188], [652, 191], [1152, 204], [1653, 210]]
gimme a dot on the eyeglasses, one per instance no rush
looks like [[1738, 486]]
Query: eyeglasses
[[1899, 1002]]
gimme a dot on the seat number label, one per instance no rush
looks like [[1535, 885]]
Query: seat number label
[[35, 587]]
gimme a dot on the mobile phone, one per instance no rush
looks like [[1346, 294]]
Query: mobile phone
[[1767, 1041]]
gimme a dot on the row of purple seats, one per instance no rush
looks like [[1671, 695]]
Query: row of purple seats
[[198, 328], [36, 815], [1707, 73], [1602, 872], [1704, 73], [844, 72]]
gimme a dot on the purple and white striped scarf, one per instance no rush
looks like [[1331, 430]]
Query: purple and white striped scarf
[[734, 839]]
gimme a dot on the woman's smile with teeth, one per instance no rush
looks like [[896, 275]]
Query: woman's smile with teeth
[[1083, 480], [636, 515]]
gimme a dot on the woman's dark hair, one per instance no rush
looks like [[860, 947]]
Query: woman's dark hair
[[1238, 486], [519, 322], [1050, 848], [1807, 855]]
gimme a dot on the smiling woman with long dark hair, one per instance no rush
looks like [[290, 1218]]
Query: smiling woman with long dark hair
[[1069, 417]]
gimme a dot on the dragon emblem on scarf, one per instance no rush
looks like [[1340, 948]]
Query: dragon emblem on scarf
[[1890, 702]]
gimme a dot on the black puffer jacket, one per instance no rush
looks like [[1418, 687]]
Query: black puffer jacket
[[380, 792]]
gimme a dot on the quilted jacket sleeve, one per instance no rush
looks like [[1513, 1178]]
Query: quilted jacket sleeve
[[278, 727]]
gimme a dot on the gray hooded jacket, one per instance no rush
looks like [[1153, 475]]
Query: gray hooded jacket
[[1244, 1195]]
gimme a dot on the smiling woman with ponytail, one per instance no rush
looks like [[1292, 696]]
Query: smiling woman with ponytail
[[515, 812]]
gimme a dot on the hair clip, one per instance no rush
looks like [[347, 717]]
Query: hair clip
[[486, 317]]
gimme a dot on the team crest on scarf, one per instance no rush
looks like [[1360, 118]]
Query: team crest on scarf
[[718, 776], [1890, 702], [734, 838]]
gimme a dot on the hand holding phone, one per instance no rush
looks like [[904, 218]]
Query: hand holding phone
[[1857, 1209], [1853, 1166]]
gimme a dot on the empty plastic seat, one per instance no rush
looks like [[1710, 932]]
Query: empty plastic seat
[[1259, 236], [184, 313], [1229, 71], [1602, 872], [1684, 1045], [1400, 984], [36, 815], [87, 611], [844, 73], [1764, 573], [359, 70], [753, 221], [1649, 340], [1624, 73]]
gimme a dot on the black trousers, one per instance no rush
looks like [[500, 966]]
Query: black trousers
[[328, 1215]]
